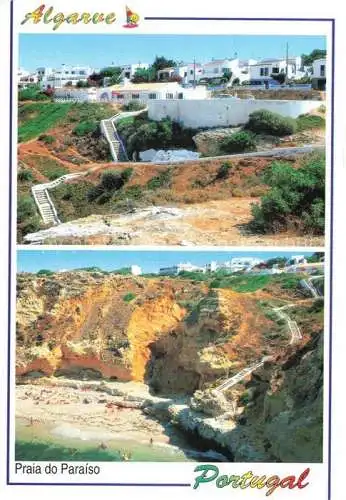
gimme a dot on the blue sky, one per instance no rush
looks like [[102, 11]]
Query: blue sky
[[52, 50], [150, 261]]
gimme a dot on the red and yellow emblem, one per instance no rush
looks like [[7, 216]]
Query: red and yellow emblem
[[131, 19]]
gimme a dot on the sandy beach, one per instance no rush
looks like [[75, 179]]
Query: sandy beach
[[85, 413]]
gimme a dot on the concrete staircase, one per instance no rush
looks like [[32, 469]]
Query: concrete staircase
[[227, 384], [44, 202], [110, 132], [308, 284]]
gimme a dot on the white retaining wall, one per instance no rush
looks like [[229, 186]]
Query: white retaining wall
[[223, 112]]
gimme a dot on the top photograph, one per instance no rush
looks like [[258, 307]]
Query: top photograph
[[210, 140]]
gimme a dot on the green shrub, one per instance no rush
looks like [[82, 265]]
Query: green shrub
[[267, 122], [44, 272], [85, 128], [161, 180], [54, 172], [306, 122], [135, 192], [224, 170], [32, 225], [134, 106], [111, 180], [244, 398], [104, 198], [25, 175], [47, 139], [126, 174], [94, 192], [32, 93], [139, 133], [238, 143], [26, 208], [296, 197], [129, 297]]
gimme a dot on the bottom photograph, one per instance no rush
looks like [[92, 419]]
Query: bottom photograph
[[169, 356]]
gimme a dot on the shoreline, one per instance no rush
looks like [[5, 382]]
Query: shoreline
[[104, 415]]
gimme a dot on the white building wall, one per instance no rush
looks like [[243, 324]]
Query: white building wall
[[293, 69], [198, 113], [319, 68]]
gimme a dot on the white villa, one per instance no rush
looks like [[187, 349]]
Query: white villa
[[178, 268], [263, 70], [217, 68], [25, 78], [188, 72], [58, 78], [129, 70], [319, 69]]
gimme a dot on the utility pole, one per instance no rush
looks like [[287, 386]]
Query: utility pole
[[286, 79]]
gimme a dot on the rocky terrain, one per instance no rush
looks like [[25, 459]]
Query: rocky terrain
[[180, 338]]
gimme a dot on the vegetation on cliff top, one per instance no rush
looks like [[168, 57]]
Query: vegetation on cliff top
[[296, 199]]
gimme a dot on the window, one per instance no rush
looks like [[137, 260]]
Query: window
[[73, 72], [226, 70], [264, 71], [191, 71], [120, 96], [180, 95], [185, 74], [135, 96], [323, 70], [275, 70], [169, 96], [152, 96], [82, 72]]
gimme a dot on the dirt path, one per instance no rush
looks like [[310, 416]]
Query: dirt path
[[221, 222]]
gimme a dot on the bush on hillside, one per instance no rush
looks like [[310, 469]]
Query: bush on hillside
[[112, 180], [44, 272], [224, 170], [139, 134], [267, 122], [47, 139], [238, 143], [32, 225], [306, 122], [85, 128], [94, 192], [25, 175], [54, 172], [126, 174], [296, 198], [163, 180], [134, 106], [128, 297], [32, 93], [25, 208]]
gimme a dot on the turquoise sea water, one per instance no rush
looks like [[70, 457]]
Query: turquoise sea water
[[40, 442]]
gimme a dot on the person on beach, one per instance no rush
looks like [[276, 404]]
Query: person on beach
[[151, 441]]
